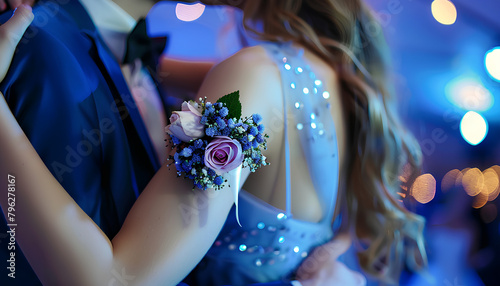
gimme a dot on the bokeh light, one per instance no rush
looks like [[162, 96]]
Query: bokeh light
[[492, 63], [449, 180], [424, 188], [490, 181], [479, 201], [496, 192], [468, 93], [460, 176], [444, 12], [189, 12], [473, 181], [494, 195], [483, 186], [473, 128]]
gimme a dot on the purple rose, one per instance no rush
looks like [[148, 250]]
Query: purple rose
[[223, 154], [185, 124]]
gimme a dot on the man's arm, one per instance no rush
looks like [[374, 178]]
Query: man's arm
[[183, 74]]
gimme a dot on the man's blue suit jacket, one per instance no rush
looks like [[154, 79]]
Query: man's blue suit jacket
[[69, 96]]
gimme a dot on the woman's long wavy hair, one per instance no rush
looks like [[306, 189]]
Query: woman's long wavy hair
[[382, 152]]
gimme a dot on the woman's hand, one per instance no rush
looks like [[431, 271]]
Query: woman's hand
[[323, 268], [13, 4], [10, 34]]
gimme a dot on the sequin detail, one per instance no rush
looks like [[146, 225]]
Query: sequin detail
[[271, 242]]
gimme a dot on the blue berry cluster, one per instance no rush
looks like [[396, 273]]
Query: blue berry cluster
[[214, 119], [189, 160], [189, 157]]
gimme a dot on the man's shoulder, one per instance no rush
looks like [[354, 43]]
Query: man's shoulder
[[52, 53], [43, 36]]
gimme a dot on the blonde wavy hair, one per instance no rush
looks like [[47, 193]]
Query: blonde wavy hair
[[383, 152]]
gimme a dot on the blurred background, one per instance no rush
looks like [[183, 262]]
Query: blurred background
[[446, 68]]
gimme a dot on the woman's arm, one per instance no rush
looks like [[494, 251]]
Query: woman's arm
[[166, 233]]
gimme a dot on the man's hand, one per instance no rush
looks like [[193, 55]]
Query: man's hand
[[322, 268], [13, 4], [10, 34]]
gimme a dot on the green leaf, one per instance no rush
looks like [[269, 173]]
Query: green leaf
[[233, 104]]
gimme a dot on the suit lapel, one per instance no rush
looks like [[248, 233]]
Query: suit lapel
[[123, 96]]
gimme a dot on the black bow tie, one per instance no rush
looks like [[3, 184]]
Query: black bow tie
[[141, 46]]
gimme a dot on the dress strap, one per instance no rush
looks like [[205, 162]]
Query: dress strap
[[307, 102], [281, 60], [288, 209]]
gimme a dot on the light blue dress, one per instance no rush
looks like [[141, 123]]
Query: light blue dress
[[270, 245]]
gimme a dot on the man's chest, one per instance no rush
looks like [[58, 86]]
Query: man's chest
[[150, 106]]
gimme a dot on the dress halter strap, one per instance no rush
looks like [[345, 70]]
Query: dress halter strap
[[304, 96], [288, 209]]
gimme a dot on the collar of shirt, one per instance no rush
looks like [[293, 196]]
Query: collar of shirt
[[113, 23]]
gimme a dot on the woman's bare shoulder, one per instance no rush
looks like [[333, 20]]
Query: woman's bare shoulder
[[256, 55], [250, 70]]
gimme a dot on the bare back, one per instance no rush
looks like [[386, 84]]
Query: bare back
[[257, 77]]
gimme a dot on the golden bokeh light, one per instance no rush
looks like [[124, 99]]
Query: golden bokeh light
[[473, 181], [424, 188], [460, 176], [490, 181], [444, 12], [449, 180], [464, 170], [496, 168], [479, 201], [494, 195], [483, 186]]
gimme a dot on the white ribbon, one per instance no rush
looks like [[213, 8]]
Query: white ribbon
[[234, 179]]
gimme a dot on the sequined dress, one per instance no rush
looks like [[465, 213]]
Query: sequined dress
[[270, 245]]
